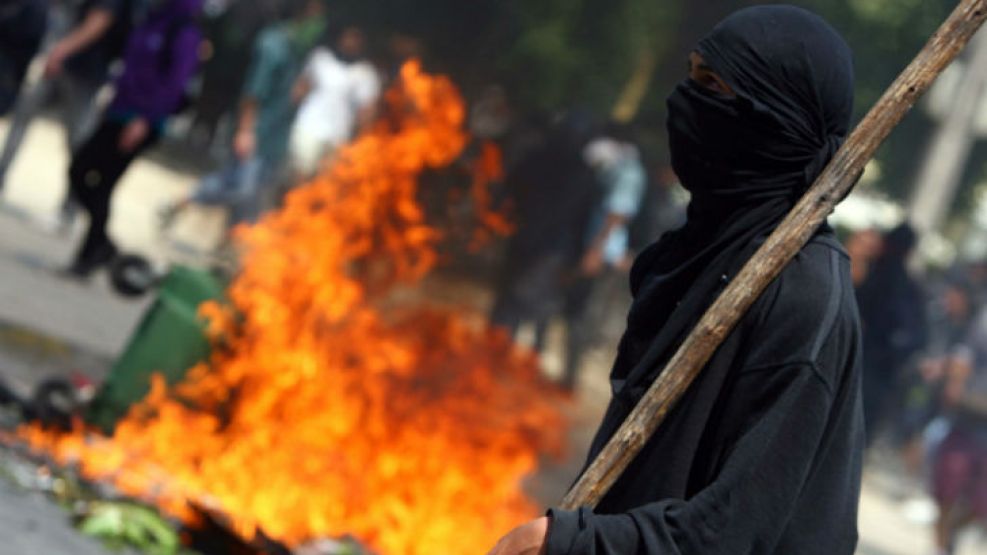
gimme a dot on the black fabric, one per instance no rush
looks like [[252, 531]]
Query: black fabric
[[94, 173], [166, 59], [892, 307], [744, 160], [93, 62], [775, 414], [232, 35], [553, 193], [763, 454], [22, 26], [659, 214]]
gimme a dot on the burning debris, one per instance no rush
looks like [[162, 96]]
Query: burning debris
[[321, 414]]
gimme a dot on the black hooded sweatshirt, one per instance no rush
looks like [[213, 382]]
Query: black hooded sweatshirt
[[763, 454]]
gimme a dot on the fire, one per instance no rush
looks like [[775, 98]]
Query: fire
[[333, 405], [487, 168]]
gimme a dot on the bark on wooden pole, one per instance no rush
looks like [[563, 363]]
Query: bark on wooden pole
[[830, 188]]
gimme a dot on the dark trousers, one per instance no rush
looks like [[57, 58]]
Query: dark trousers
[[594, 311], [530, 290], [95, 171]]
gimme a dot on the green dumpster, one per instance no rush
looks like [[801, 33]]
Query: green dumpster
[[169, 340]]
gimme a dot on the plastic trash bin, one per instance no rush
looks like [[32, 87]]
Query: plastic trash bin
[[169, 340]]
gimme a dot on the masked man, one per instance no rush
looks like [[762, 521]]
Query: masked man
[[763, 454]]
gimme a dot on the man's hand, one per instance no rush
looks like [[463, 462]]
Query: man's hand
[[94, 26], [245, 141], [527, 539], [592, 262], [134, 134], [244, 144], [56, 60], [300, 90]]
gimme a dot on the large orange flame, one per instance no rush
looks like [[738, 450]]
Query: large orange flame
[[320, 413]]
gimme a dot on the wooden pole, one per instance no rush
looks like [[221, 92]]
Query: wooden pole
[[830, 188]]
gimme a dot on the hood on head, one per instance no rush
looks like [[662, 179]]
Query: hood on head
[[788, 61], [793, 78], [901, 240]]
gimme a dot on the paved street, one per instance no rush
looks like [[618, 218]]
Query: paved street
[[33, 525], [52, 326]]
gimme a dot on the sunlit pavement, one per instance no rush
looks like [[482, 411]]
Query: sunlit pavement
[[53, 326]]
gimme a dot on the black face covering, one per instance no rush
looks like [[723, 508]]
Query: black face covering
[[745, 159], [719, 145]]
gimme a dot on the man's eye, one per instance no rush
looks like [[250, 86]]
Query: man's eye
[[710, 83]]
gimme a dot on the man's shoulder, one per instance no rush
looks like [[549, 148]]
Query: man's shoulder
[[812, 295], [322, 55], [364, 70], [819, 271], [807, 317]]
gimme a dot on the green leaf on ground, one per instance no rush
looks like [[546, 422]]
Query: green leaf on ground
[[121, 524]]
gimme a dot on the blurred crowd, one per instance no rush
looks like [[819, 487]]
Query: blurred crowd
[[925, 372], [585, 202], [274, 87]]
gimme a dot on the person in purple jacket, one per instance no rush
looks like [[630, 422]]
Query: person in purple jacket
[[161, 57]]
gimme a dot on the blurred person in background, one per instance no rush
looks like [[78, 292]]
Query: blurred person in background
[[950, 316], [553, 193], [662, 208], [76, 68], [230, 35], [892, 309], [337, 94], [267, 110], [975, 275], [160, 59], [402, 46], [620, 177], [22, 27], [960, 474], [863, 247], [491, 115]]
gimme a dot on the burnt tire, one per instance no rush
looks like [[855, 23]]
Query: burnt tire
[[54, 404], [132, 275]]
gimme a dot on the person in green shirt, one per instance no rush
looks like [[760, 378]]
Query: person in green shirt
[[267, 110]]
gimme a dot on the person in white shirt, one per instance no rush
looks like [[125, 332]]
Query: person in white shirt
[[337, 91], [616, 163]]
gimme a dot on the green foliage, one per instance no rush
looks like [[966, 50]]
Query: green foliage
[[889, 13], [885, 36], [555, 54], [550, 53], [544, 55], [121, 524]]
